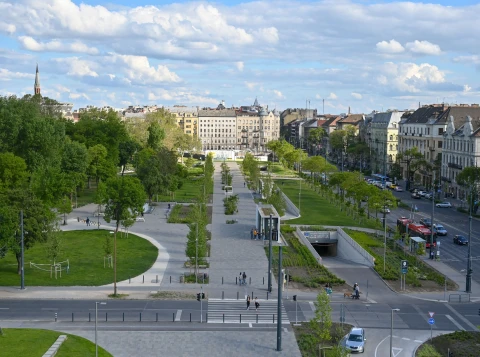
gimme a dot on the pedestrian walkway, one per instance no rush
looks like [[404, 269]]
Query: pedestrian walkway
[[232, 250], [235, 311]]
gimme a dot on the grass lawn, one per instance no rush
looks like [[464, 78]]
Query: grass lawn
[[278, 169], [32, 342], [85, 252], [85, 196], [315, 210], [188, 193]]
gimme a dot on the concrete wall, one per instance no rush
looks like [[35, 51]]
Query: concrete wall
[[305, 242], [348, 249], [291, 207]]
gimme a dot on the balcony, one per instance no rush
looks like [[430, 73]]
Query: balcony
[[446, 179], [455, 166]]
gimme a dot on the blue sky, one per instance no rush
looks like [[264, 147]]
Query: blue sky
[[362, 54]]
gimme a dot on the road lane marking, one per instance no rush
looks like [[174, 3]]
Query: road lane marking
[[406, 339], [178, 315], [312, 306], [49, 308], [4, 308], [376, 348], [250, 324], [423, 315], [396, 351], [455, 322], [472, 326], [417, 341]]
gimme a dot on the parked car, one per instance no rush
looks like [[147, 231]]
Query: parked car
[[460, 240], [427, 222], [385, 210], [444, 205], [440, 229], [416, 196], [398, 189], [355, 340], [422, 193], [428, 195]]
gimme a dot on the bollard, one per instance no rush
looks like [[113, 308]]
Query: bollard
[[223, 318], [252, 295], [123, 317], [223, 294], [143, 278], [173, 317], [267, 295], [190, 317], [72, 317], [56, 316], [156, 317], [238, 294], [140, 317], [236, 281], [157, 279], [89, 318], [263, 280], [222, 280], [273, 318], [250, 281], [129, 280], [170, 279], [257, 318], [240, 318], [106, 317]]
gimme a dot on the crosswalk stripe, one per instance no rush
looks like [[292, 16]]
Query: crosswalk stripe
[[235, 311]]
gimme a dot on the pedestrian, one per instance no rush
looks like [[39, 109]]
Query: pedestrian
[[432, 254], [357, 292], [251, 233], [240, 281], [255, 234], [257, 304], [88, 221], [248, 302], [244, 276], [244, 184]]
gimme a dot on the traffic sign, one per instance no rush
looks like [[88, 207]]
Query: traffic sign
[[404, 271], [404, 264], [431, 321], [431, 314]]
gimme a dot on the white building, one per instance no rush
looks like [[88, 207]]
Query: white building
[[217, 129]]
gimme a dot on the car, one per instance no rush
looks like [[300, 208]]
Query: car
[[422, 193], [460, 240], [441, 231], [385, 210], [427, 222], [428, 195], [398, 189], [416, 196], [355, 340], [444, 205]]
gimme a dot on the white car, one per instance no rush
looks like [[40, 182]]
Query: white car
[[398, 189], [355, 340], [444, 205]]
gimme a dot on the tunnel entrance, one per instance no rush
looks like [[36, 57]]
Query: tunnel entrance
[[326, 249]]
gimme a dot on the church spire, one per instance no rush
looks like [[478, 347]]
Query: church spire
[[36, 87]]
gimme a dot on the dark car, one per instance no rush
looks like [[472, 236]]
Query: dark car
[[460, 240], [427, 222]]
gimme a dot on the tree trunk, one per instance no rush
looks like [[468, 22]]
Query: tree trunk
[[115, 258], [88, 182], [18, 256]]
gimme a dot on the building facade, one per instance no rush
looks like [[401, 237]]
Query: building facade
[[217, 129], [186, 119]]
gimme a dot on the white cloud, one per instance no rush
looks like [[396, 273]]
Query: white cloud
[[356, 95], [138, 69], [423, 47], [391, 46], [410, 77], [78, 95], [332, 96], [251, 85], [8, 28], [31, 44], [278, 94], [7, 75], [76, 66], [240, 66], [466, 88], [181, 96]]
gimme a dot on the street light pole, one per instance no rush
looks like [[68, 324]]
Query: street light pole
[[384, 243], [96, 318], [22, 267], [279, 300], [433, 211], [270, 256], [468, 284], [196, 255], [391, 333]]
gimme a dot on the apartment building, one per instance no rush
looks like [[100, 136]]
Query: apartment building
[[256, 126], [217, 129], [186, 118], [461, 146], [382, 139]]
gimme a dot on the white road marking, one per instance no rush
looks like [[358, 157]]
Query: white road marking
[[250, 324], [49, 308], [406, 339], [376, 348], [178, 315], [396, 351], [4, 308], [455, 322], [312, 306], [417, 341], [472, 326]]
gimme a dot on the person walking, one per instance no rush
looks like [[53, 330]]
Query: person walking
[[244, 184], [251, 233], [244, 276], [248, 302], [87, 221], [240, 281], [257, 304]]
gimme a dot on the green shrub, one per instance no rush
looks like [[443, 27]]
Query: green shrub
[[427, 350], [230, 204]]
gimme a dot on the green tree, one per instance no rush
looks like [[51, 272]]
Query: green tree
[[315, 136], [65, 207], [321, 324], [98, 165], [124, 199], [13, 171], [156, 135], [197, 248], [414, 160], [53, 246], [127, 150], [74, 166], [469, 178]]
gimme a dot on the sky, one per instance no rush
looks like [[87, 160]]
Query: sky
[[329, 54]]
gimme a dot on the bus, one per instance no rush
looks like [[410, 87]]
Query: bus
[[416, 229]]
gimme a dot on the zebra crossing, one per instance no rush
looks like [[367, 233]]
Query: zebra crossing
[[235, 311]]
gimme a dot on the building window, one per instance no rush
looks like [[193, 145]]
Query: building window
[[440, 131]]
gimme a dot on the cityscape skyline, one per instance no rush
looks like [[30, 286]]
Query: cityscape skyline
[[366, 55]]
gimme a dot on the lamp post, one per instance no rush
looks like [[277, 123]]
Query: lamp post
[[433, 211], [468, 283], [96, 318], [391, 333], [270, 256], [384, 242], [196, 255], [22, 250]]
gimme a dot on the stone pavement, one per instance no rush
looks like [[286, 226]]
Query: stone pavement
[[232, 250]]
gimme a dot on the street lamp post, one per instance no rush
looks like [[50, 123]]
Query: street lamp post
[[384, 242], [468, 283], [270, 256], [391, 333], [96, 318], [433, 211], [196, 255]]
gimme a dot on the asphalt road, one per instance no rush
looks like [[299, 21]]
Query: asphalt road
[[454, 222], [413, 313]]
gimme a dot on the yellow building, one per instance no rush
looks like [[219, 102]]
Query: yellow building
[[186, 118]]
